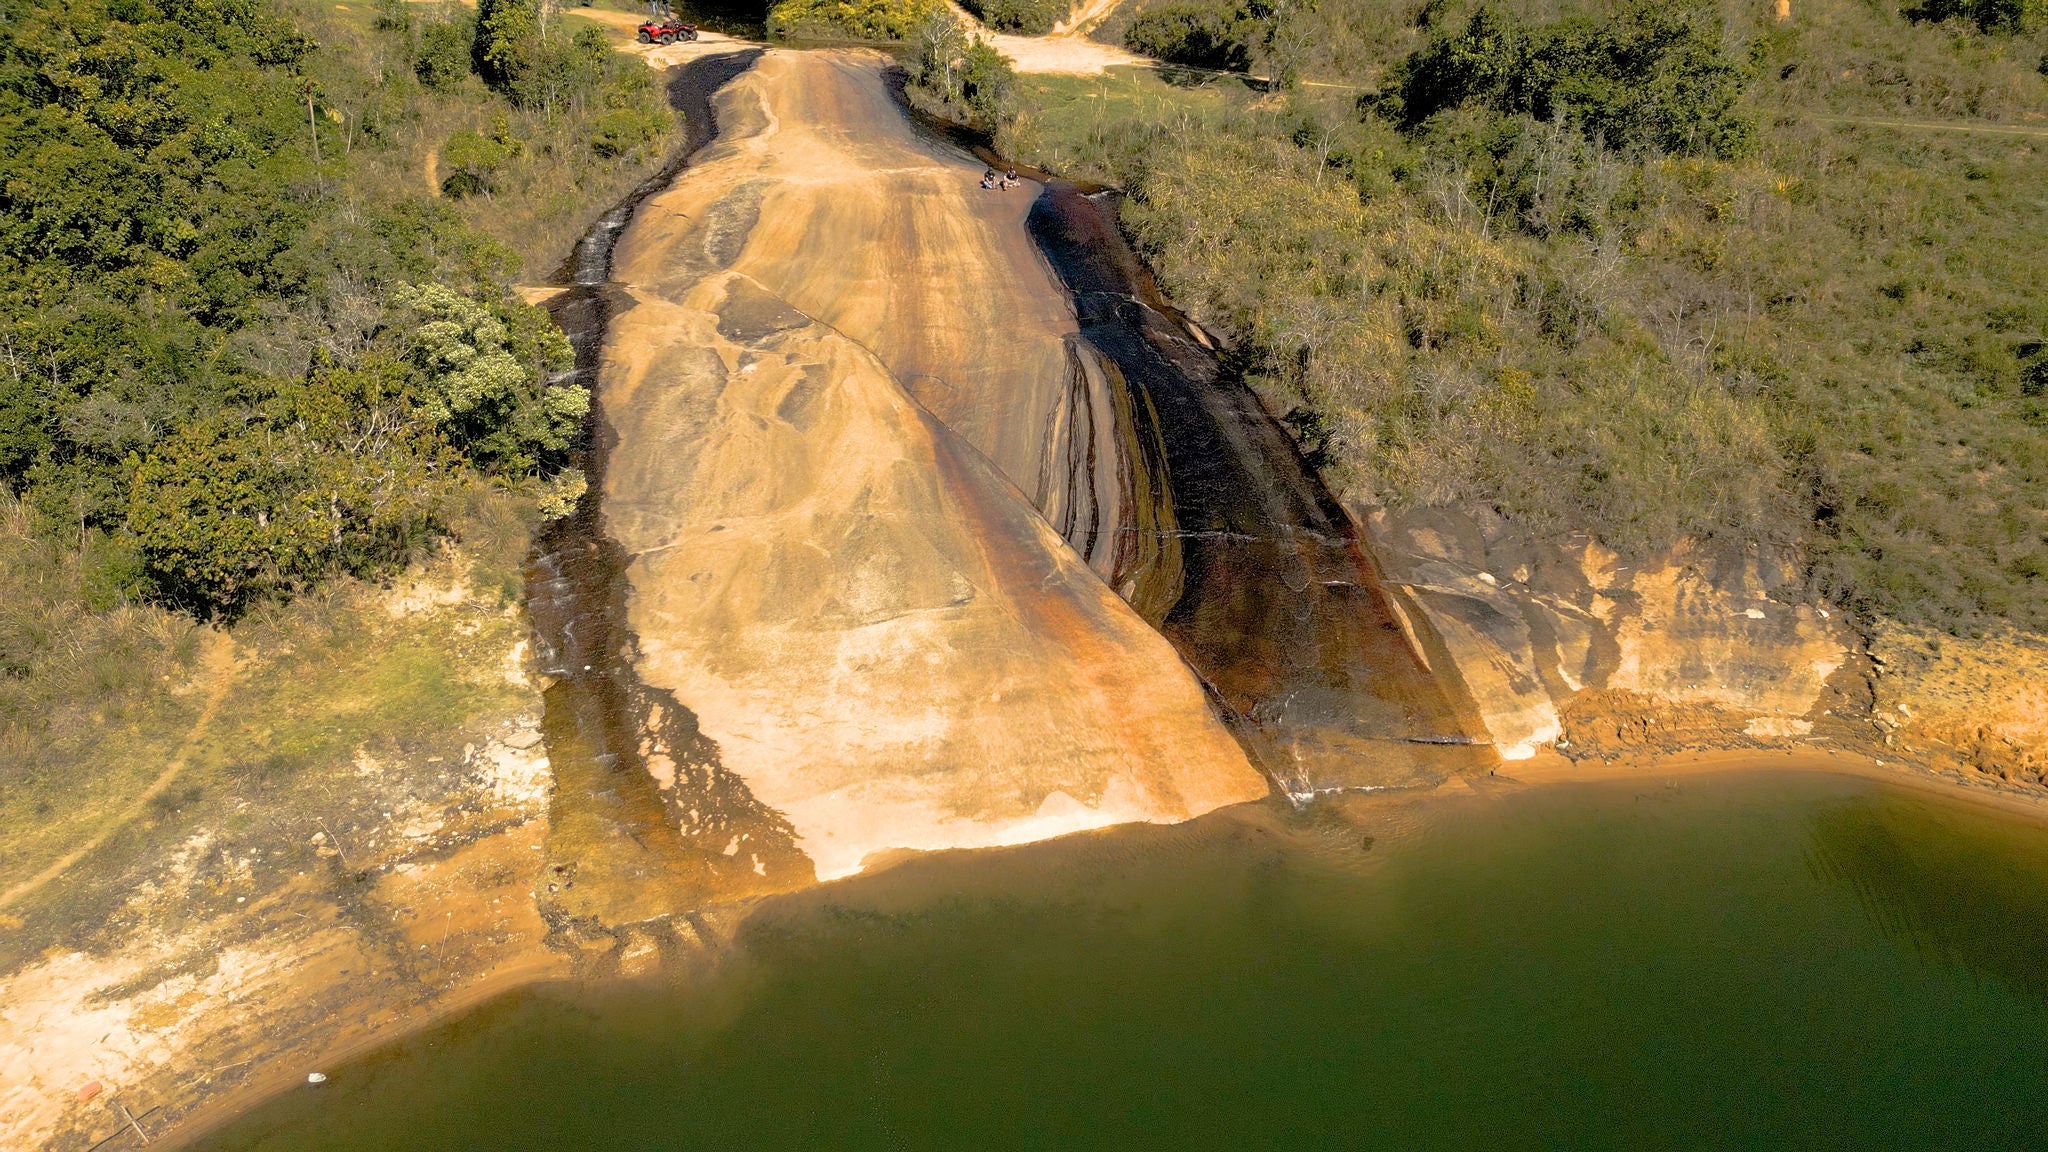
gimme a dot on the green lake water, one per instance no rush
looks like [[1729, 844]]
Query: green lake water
[[1754, 961]]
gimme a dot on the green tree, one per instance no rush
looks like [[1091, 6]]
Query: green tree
[[472, 160], [442, 57], [485, 378], [1649, 76], [987, 86], [1199, 35], [507, 35], [940, 44], [225, 511]]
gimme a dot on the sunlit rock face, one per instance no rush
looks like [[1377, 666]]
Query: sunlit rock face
[[1983, 699], [1535, 627], [838, 385]]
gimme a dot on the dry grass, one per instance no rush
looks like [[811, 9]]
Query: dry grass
[[544, 198], [1834, 345], [349, 706]]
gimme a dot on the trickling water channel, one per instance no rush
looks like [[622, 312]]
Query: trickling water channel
[[1279, 609], [1282, 610]]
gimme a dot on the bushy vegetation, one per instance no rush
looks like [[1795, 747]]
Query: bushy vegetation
[[1648, 76], [1698, 303], [1272, 39], [964, 80], [1032, 17], [1198, 35], [852, 19], [2008, 16], [244, 349], [538, 63]]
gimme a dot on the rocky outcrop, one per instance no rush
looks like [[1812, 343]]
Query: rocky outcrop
[[1979, 703], [837, 385], [1712, 644], [834, 203]]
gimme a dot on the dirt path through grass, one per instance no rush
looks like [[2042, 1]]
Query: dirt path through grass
[[1934, 125], [220, 676]]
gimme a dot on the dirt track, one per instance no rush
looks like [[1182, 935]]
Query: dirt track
[[220, 673]]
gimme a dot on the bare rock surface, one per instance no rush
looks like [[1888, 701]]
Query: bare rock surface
[[1715, 641], [1980, 702], [840, 572]]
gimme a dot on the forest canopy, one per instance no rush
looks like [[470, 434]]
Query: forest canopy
[[1649, 76], [221, 356]]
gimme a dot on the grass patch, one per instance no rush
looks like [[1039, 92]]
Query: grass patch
[[1103, 127], [85, 683]]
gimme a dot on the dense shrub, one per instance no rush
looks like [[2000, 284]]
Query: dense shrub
[[1032, 17], [622, 130], [1199, 35], [2009, 17], [441, 57], [851, 19], [227, 510], [968, 81], [1648, 76], [472, 159]]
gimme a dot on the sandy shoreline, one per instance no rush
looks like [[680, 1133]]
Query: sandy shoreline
[[357, 1040], [1549, 767]]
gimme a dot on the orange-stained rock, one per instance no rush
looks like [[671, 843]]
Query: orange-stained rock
[[884, 637], [1530, 625]]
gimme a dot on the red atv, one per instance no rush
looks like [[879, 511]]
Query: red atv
[[666, 32]]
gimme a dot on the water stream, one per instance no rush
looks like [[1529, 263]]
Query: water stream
[[1282, 610], [1279, 608]]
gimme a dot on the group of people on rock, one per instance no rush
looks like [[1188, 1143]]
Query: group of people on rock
[[999, 181]]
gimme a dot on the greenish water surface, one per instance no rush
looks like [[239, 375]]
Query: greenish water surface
[[1755, 961]]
